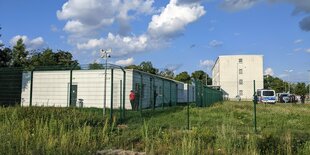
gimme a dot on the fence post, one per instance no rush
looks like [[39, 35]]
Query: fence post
[[124, 89], [31, 87], [111, 106], [153, 93], [163, 94], [141, 91], [254, 102], [193, 94], [176, 93], [120, 100], [170, 94], [188, 106]]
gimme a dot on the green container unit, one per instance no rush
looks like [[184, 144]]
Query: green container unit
[[10, 86], [154, 91]]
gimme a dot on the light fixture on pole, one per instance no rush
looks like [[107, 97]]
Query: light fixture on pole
[[105, 55], [288, 75]]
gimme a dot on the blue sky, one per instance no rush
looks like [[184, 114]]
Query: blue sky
[[183, 35]]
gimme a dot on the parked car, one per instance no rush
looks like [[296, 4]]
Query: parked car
[[284, 98], [293, 99], [287, 98]]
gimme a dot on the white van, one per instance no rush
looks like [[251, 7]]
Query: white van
[[266, 96]]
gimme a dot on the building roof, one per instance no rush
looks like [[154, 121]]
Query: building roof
[[158, 76]]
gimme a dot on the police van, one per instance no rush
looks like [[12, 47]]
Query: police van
[[266, 96]]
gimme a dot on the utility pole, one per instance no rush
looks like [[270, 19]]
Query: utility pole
[[105, 55]]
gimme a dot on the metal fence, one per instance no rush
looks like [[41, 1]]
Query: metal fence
[[206, 96], [10, 86], [99, 86]]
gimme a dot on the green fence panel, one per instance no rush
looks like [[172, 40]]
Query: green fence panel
[[206, 96], [10, 86]]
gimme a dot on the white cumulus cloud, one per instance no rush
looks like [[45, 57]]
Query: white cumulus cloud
[[269, 71], [174, 18], [121, 45], [297, 49], [30, 43], [125, 62], [87, 17], [301, 6], [308, 50], [298, 41], [236, 5], [206, 63], [85, 20], [215, 43]]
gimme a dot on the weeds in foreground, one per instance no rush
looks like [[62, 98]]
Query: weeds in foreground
[[220, 129]]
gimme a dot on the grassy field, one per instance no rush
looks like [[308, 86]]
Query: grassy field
[[221, 129]]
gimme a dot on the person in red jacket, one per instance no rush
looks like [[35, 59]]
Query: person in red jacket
[[132, 97]]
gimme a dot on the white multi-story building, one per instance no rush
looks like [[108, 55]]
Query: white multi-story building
[[235, 75]]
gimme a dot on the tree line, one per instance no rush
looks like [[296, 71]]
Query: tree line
[[20, 57], [280, 86], [147, 66]]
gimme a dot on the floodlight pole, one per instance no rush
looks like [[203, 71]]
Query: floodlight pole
[[105, 55]]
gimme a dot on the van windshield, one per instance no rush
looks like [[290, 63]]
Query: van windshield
[[268, 93]]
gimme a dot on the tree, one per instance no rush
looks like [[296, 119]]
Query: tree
[[167, 73], [133, 67], [19, 55], [274, 83], [1, 44], [48, 58], [95, 66], [183, 77], [147, 66], [300, 89], [65, 58], [5, 57], [202, 76]]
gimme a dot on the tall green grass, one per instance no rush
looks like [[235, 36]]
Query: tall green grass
[[220, 129]]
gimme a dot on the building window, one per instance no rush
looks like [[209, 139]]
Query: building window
[[240, 60], [240, 82], [240, 92], [240, 71]]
